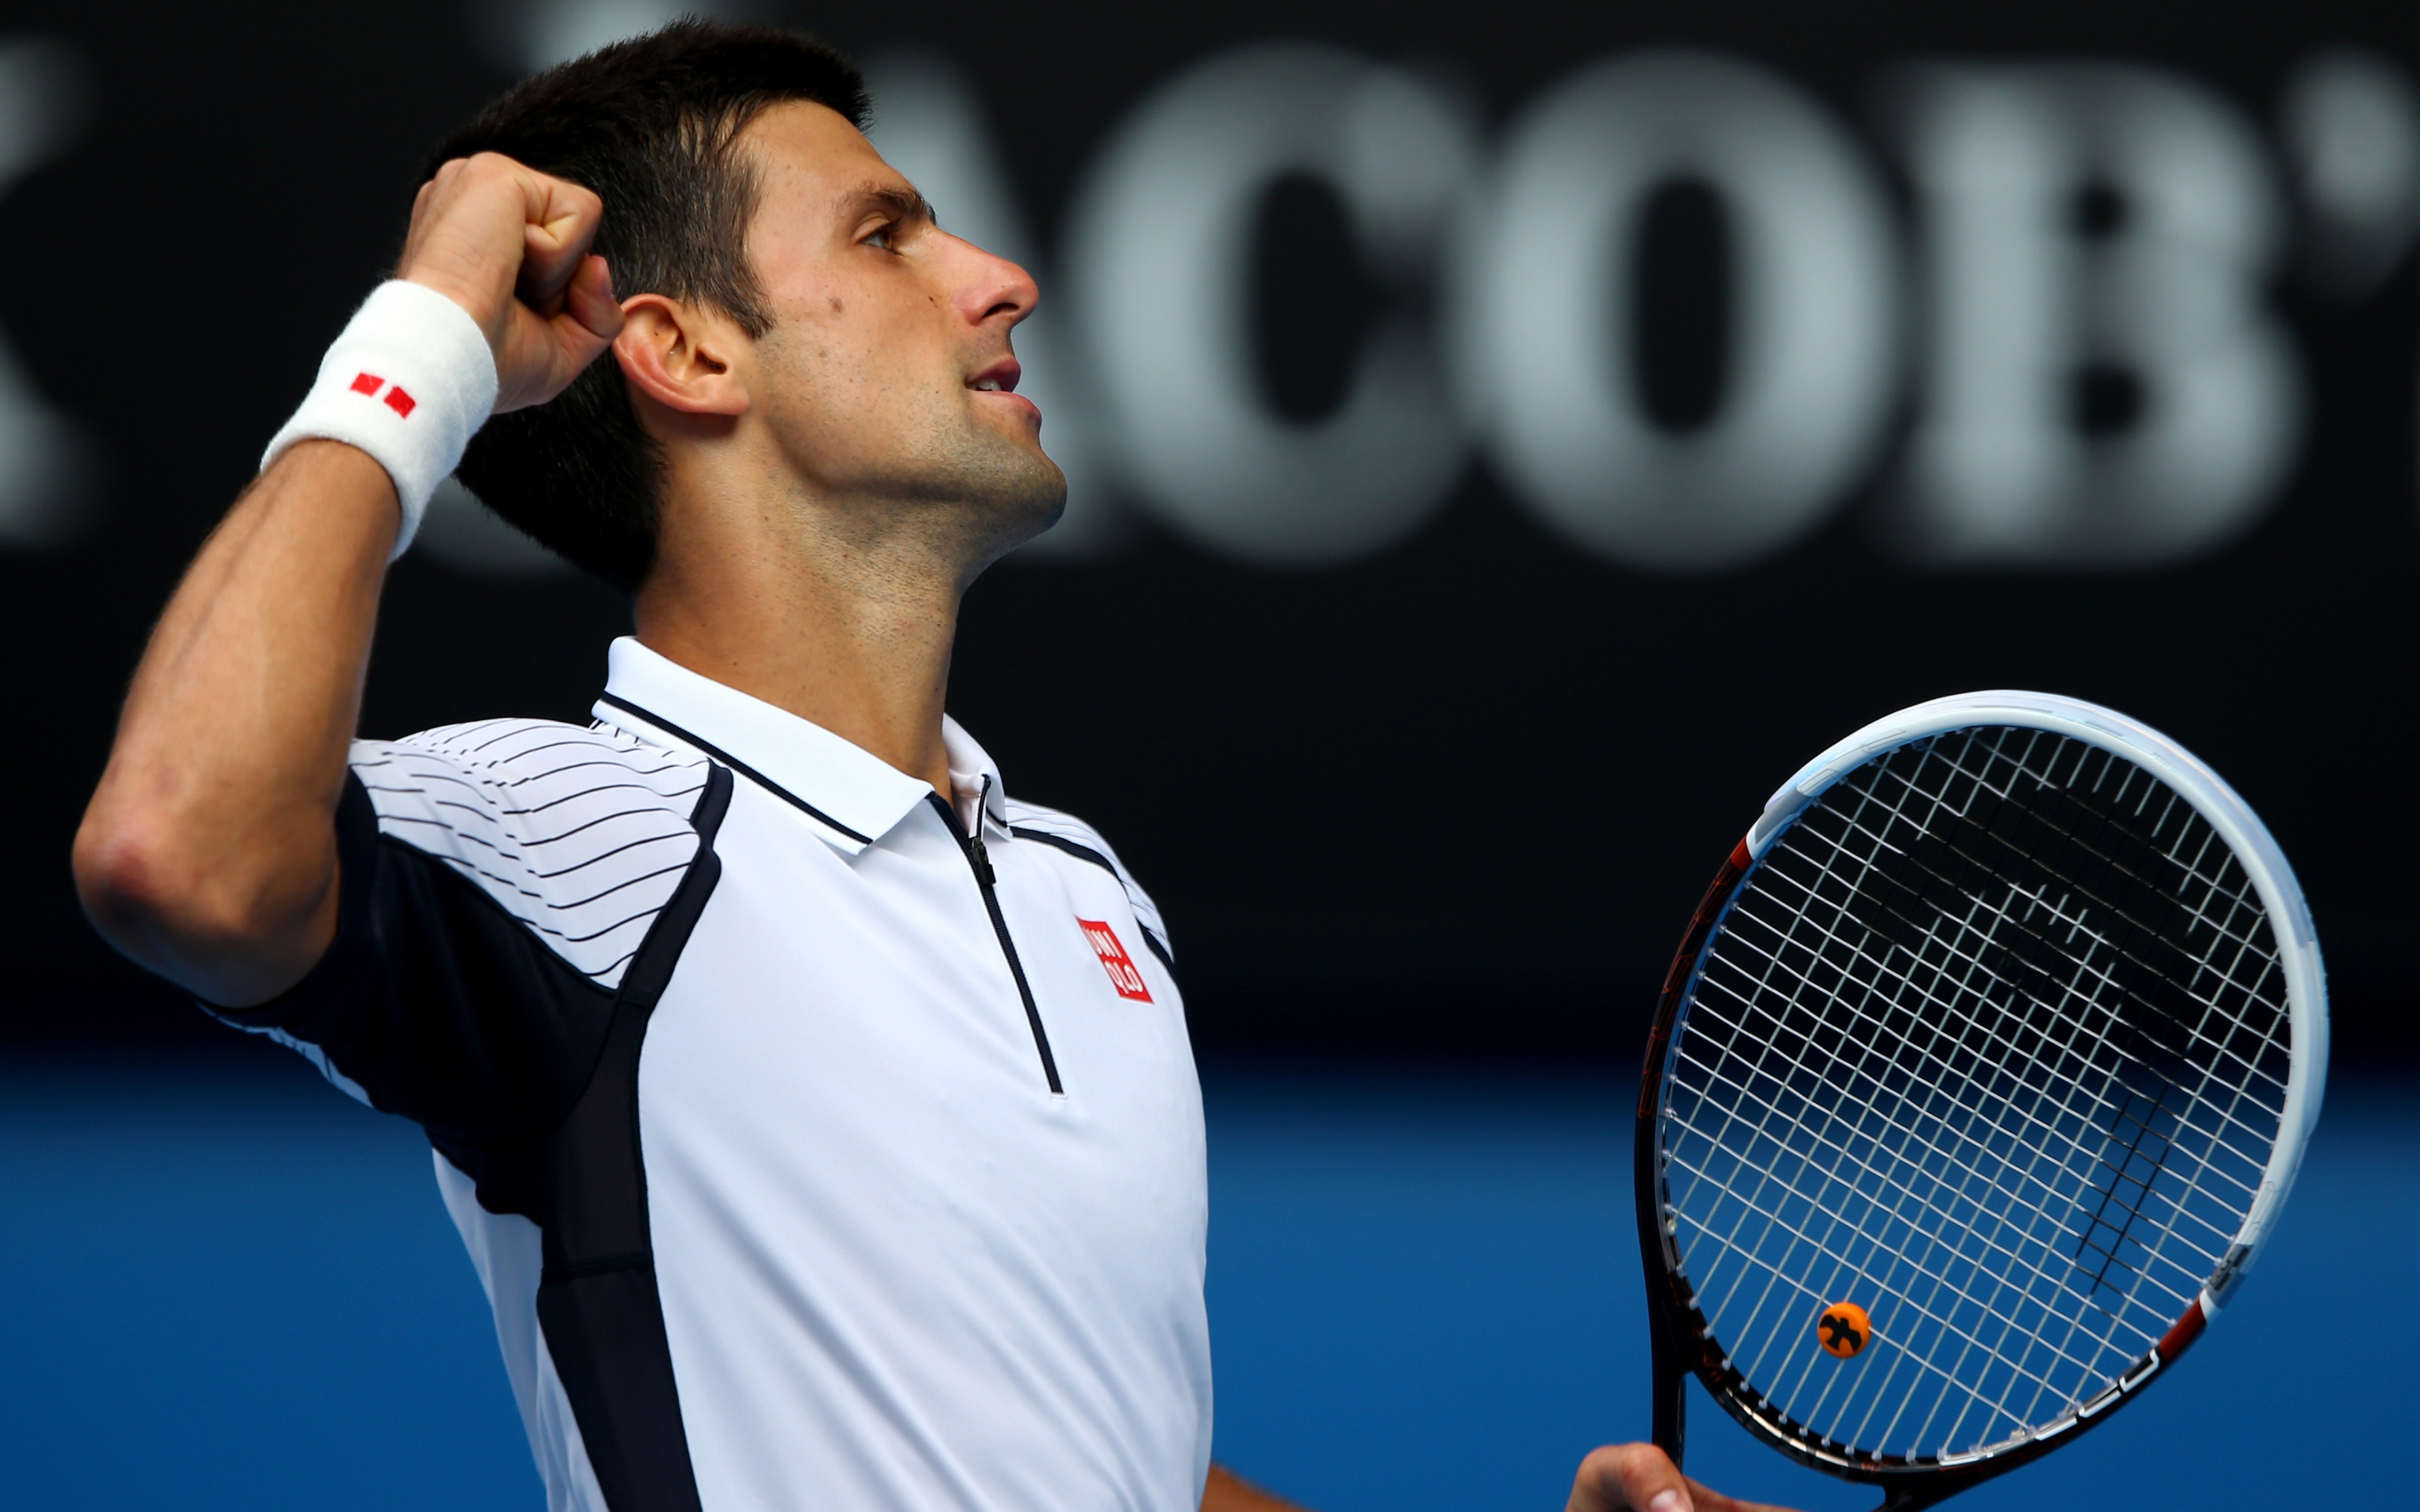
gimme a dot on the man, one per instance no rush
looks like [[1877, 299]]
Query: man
[[821, 1121]]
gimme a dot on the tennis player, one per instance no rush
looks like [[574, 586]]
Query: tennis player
[[820, 1119]]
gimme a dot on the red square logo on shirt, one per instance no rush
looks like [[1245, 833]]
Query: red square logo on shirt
[[1114, 960]]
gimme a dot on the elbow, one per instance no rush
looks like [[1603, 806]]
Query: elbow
[[192, 912], [138, 886], [119, 875]]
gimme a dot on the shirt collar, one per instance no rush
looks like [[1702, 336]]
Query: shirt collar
[[973, 773], [854, 796]]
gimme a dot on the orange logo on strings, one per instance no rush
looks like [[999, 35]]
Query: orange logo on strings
[[1844, 1330]]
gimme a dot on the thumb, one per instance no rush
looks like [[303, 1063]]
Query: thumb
[[589, 301], [1630, 1477], [555, 348], [1639, 1478]]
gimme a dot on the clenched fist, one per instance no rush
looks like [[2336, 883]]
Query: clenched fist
[[510, 245]]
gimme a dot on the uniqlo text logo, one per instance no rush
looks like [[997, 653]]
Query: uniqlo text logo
[[396, 400], [1114, 960]]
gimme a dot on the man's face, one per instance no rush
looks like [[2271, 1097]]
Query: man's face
[[887, 375]]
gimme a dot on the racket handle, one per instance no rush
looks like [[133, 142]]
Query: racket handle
[[1671, 1408]]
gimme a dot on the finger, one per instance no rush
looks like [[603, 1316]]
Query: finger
[[538, 285], [550, 352], [576, 346], [589, 298], [588, 304], [559, 223], [1707, 1500]]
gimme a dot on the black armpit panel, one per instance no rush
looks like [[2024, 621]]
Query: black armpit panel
[[444, 1008]]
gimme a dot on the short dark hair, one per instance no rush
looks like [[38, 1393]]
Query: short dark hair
[[648, 124]]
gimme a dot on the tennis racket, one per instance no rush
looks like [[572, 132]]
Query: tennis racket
[[1979, 1081]]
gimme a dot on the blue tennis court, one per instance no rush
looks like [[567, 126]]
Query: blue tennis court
[[226, 1285]]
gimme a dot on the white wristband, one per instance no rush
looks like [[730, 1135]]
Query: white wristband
[[409, 382]]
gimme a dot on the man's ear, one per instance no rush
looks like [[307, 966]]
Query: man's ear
[[684, 358]]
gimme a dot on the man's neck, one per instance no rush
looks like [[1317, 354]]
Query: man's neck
[[847, 631]]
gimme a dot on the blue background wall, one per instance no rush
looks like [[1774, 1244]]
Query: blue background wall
[[227, 1286]]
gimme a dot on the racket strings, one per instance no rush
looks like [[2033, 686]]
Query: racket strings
[[2201, 989], [1937, 1278], [2240, 908], [2134, 1042], [1994, 1028], [1947, 1004], [2139, 1050]]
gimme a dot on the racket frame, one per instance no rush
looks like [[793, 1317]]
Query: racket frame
[[1682, 1340]]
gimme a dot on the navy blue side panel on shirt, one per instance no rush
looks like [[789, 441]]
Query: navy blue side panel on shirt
[[437, 1003], [597, 1298], [445, 1009]]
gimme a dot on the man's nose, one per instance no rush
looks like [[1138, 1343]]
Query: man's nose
[[994, 289]]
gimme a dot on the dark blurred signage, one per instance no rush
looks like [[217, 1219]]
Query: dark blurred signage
[[2082, 237], [1500, 452]]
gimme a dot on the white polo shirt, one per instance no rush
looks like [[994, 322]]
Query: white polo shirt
[[814, 1150]]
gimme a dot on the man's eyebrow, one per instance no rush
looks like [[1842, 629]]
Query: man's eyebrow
[[907, 203]]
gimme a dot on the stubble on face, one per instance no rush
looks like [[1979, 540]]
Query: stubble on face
[[867, 371], [865, 434]]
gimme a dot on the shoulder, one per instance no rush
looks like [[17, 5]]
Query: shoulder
[[579, 833], [566, 756], [522, 775], [1079, 841]]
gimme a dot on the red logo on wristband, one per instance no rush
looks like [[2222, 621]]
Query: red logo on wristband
[[396, 400]]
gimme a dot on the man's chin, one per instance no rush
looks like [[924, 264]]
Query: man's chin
[[1029, 510], [1007, 497]]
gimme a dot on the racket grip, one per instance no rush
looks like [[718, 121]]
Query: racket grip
[[1671, 1408]]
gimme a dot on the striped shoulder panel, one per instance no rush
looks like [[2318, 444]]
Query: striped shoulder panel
[[581, 834], [1065, 832]]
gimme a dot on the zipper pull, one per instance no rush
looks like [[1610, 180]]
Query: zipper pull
[[984, 873]]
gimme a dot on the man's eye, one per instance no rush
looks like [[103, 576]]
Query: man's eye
[[883, 236]]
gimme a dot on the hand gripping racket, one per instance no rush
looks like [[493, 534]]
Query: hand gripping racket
[[1981, 1076]]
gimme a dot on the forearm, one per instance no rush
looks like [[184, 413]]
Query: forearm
[[208, 853]]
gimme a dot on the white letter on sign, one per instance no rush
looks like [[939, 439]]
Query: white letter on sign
[[1542, 310], [1159, 244], [45, 487], [2093, 224]]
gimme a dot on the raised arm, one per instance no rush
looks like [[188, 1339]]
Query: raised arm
[[209, 851]]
